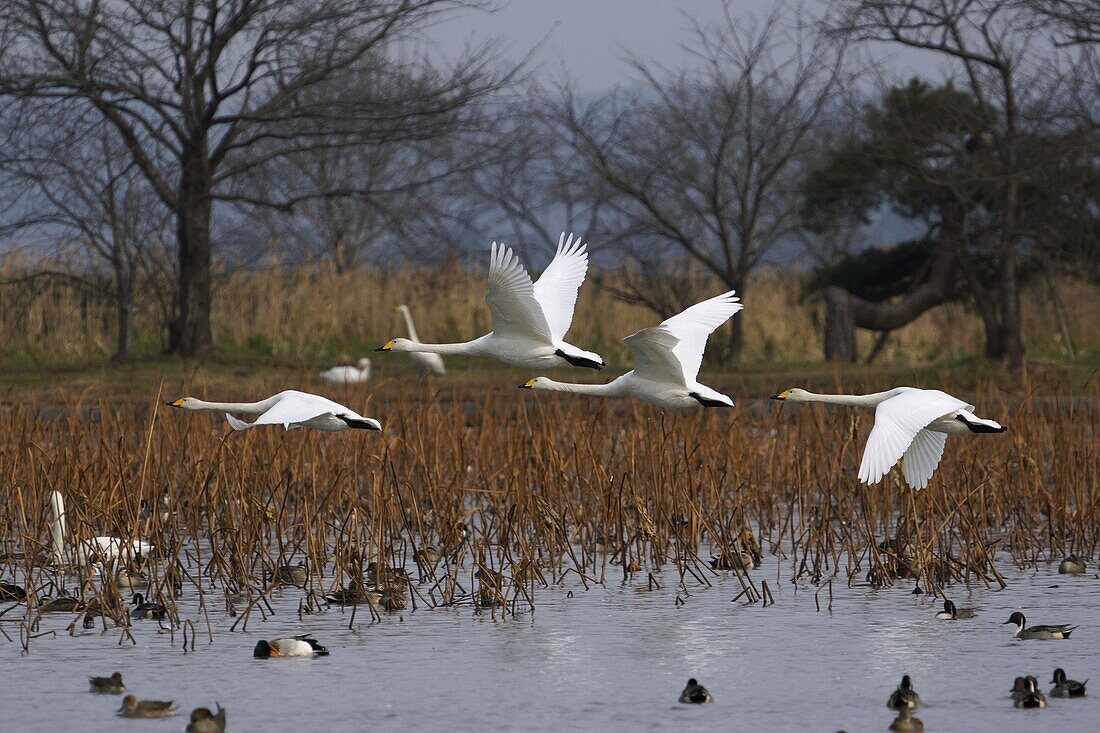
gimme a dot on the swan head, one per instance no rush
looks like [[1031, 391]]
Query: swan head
[[364, 363], [396, 345], [401, 309], [185, 403], [536, 383], [793, 395]]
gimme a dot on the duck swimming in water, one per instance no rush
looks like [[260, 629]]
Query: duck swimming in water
[[289, 646], [695, 694], [204, 721], [108, 685], [951, 613], [134, 708], [1057, 631], [1031, 698], [1067, 688], [905, 697]]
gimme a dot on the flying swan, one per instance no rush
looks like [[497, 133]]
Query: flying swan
[[431, 363], [530, 320], [666, 360], [348, 374], [291, 409], [910, 423], [93, 549]]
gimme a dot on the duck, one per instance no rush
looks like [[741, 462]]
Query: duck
[[289, 408], [1067, 688], [910, 424], [12, 592], [61, 604], [291, 574], [204, 721], [147, 609], [162, 511], [530, 319], [1019, 688], [1031, 697], [128, 579], [392, 599], [1058, 631], [134, 708], [1072, 565], [695, 694], [108, 685], [667, 358], [348, 374], [951, 613], [355, 594], [905, 697], [906, 723], [733, 560], [431, 363], [289, 646]]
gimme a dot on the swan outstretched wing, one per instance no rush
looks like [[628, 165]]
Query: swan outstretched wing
[[557, 287], [693, 326], [511, 298], [654, 358], [923, 456], [898, 421]]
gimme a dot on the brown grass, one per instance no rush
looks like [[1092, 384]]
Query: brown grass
[[551, 490], [310, 313]]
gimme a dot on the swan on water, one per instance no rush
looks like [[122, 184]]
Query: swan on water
[[530, 320], [667, 358], [348, 374], [91, 550], [910, 423], [431, 363], [291, 409]]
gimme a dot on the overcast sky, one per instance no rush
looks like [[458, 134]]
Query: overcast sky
[[588, 39]]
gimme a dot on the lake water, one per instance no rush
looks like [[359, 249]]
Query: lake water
[[612, 658]]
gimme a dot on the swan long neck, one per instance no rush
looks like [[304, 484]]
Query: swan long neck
[[57, 525], [610, 389], [409, 324], [466, 347], [248, 408], [855, 400]]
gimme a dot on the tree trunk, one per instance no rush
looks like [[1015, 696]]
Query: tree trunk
[[190, 333], [840, 325], [844, 312], [124, 345]]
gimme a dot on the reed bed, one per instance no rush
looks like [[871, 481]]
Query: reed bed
[[311, 312], [478, 497]]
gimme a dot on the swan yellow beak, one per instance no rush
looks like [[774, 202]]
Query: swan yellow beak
[[782, 395], [386, 347], [177, 403], [528, 384]]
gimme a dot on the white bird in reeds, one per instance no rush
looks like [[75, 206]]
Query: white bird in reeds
[[348, 374], [530, 320], [667, 358], [431, 363], [91, 550], [910, 423], [291, 409]]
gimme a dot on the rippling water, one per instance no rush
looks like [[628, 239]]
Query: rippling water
[[610, 658]]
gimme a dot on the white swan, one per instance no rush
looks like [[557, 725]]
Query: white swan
[[432, 363], [530, 320], [291, 409], [348, 374], [666, 360], [910, 423], [91, 550]]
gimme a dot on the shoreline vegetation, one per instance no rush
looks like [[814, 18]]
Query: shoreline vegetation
[[310, 315]]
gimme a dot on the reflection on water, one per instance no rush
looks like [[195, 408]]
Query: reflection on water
[[611, 658]]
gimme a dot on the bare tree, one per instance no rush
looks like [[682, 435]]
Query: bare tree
[[79, 189], [703, 165], [1001, 63], [1076, 21], [200, 93]]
